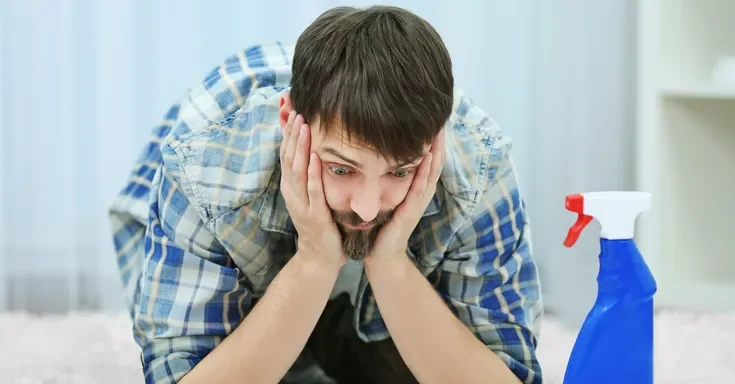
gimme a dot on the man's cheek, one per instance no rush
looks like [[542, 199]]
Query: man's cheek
[[332, 192]]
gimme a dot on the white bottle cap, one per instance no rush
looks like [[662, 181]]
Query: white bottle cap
[[616, 211]]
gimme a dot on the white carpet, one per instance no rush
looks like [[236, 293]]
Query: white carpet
[[96, 348]]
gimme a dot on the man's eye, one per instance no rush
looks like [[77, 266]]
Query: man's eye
[[401, 173], [340, 171]]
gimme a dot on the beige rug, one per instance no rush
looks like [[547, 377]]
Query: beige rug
[[97, 348]]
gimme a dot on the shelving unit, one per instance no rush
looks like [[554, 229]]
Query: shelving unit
[[686, 151], [703, 90]]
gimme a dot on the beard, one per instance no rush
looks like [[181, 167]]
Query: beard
[[358, 243]]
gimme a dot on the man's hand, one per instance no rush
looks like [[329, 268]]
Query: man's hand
[[267, 342], [411, 307], [303, 191], [393, 237]]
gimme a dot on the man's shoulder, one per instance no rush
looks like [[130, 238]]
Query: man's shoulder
[[476, 148], [477, 154], [222, 149], [228, 163], [229, 86]]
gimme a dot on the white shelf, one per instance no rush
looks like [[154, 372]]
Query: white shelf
[[685, 155], [702, 90]]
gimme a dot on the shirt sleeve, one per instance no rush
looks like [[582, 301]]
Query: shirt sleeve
[[191, 294], [183, 291], [488, 276]]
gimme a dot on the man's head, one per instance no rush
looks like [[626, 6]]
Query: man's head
[[376, 86]]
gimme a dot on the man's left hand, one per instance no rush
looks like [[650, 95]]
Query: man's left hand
[[393, 237]]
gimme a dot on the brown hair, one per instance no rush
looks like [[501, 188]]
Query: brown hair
[[380, 73]]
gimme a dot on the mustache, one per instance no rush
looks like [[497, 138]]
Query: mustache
[[352, 218]]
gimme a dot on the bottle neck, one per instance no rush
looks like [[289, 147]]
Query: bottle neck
[[613, 252], [616, 271]]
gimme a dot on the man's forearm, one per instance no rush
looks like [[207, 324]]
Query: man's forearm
[[436, 346], [268, 341]]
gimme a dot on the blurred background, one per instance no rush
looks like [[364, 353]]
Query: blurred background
[[82, 83], [597, 95]]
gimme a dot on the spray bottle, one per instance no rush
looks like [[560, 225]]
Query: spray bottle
[[615, 343]]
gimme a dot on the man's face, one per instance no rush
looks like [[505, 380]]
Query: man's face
[[361, 187]]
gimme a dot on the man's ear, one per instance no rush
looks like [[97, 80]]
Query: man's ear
[[285, 109]]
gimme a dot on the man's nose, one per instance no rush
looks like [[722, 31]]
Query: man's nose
[[366, 201]]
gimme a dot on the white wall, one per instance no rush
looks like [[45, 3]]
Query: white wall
[[3, 154]]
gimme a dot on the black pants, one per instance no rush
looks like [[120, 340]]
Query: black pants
[[335, 346]]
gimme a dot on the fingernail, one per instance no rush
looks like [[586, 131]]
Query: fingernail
[[303, 129]]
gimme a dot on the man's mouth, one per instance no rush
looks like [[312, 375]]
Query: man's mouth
[[362, 226]]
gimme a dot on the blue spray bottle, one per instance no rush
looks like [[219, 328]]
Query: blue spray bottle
[[615, 343]]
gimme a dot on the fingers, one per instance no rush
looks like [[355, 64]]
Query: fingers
[[415, 196], [315, 187], [286, 133], [292, 139], [287, 153], [418, 186], [438, 152], [301, 160]]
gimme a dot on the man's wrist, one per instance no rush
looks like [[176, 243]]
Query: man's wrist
[[394, 263], [312, 265]]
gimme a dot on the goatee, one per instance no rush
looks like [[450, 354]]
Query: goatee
[[358, 243]]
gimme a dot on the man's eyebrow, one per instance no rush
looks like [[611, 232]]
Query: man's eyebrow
[[334, 152], [357, 164], [409, 162]]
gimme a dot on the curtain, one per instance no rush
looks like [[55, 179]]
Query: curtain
[[581, 135], [83, 82]]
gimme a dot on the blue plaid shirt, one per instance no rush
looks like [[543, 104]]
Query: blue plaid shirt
[[201, 229]]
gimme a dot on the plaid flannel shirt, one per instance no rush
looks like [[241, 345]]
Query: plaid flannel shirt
[[200, 228]]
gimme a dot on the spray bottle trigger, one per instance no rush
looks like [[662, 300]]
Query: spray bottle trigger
[[576, 229]]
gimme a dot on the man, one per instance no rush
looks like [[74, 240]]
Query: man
[[335, 212]]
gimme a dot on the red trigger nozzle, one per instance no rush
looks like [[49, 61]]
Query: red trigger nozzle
[[575, 203]]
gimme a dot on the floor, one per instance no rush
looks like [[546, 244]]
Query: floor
[[94, 348]]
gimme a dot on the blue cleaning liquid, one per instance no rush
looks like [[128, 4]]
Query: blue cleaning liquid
[[615, 344]]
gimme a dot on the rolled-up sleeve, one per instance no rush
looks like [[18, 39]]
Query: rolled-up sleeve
[[191, 295], [489, 277]]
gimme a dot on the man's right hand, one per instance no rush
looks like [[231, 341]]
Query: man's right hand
[[271, 337], [268, 341], [303, 191]]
